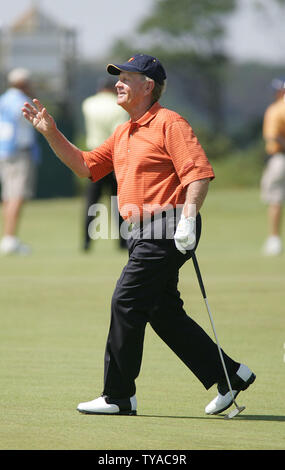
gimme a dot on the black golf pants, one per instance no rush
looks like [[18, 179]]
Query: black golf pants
[[146, 292]]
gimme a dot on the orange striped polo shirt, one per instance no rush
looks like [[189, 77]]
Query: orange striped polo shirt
[[154, 159]]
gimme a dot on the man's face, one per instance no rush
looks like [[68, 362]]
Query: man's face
[[131, 89]]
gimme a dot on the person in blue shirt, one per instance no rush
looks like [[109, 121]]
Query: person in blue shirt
[[18, 155]]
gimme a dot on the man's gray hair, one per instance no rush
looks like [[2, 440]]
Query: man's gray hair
[[158, 89]]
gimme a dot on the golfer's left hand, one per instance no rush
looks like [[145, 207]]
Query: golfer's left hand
[[185, 235]]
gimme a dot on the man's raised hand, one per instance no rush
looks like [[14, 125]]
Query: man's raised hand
[[38, 116]]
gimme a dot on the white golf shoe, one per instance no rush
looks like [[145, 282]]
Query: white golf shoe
[[11, 245], [109, 406], [272, 246], [239, 381]]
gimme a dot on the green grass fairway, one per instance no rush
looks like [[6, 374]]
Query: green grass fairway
[[54, 322]]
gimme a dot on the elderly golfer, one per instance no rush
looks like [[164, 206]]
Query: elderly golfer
[[161, 169]]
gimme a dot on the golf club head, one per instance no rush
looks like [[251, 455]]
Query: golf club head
[[235, 412]]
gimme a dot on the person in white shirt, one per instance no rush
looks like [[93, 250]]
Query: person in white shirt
[[101, 115]]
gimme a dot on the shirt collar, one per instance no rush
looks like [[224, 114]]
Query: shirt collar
[[149, 115]]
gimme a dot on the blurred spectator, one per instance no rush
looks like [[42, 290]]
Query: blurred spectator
[[18, 156], [102, 115], [273, 178]]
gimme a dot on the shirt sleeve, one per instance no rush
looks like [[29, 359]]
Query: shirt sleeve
[[188, 156], [270, 125], [271, 131], [100, 160]]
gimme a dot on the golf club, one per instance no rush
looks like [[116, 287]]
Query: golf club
[[238, 409]]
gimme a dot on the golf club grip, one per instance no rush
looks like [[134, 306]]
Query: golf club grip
[[197, 269]]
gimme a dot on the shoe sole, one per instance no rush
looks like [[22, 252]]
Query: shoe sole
[[121, 413], [246, 385]]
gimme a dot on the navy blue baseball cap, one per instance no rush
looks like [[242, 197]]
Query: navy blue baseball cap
[[140, 63]]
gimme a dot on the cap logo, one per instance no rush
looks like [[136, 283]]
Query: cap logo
[[131, 59]]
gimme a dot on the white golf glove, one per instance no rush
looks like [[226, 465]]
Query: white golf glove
[[185, 235]]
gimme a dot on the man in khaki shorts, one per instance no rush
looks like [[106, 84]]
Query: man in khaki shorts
[[273, 178], [17, 159]]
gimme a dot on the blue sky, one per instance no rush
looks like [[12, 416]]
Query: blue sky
[[98, 22]]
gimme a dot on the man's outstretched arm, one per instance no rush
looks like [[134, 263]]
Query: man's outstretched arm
[[44, 123]]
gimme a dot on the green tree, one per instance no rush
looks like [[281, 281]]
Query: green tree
[[187, 35], [191, 25]]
